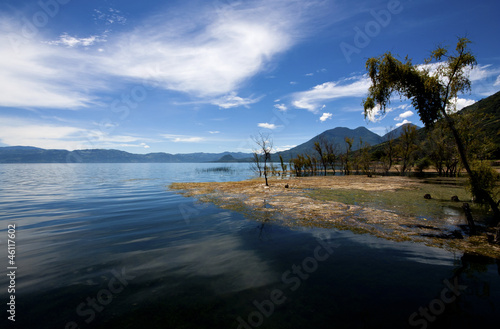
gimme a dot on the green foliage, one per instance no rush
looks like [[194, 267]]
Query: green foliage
[[407, 147], [422, 164], [478, 143], [345, 158], [489, 110], [430, 92], [486, 178], [283, 165], [431, 89]]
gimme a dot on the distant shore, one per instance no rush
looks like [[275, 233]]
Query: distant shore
[[390, 207]]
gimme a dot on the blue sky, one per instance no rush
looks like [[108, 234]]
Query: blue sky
[[204, 76]]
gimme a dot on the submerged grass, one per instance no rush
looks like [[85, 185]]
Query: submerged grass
[[228, 170], [389, 207], [405, 201]]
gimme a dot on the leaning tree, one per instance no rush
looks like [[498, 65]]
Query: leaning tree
[[432, 88]]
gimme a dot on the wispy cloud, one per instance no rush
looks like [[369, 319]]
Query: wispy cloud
[[69, 41], [211, 52], [33, 75], [313, 99], [208, 53], [281, 107], [183, 138], [283, 148], [37, 74], [233, 100], [16, 131], [109, 16]]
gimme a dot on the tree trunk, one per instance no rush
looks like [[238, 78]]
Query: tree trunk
[[472, 176], [265, 167], [470, 219]]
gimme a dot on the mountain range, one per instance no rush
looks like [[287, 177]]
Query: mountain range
[[336, 136], [27, 154]]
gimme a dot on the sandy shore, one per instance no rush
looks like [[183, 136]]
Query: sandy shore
[[389, 207]]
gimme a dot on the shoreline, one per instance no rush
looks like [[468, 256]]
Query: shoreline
[[389, 207]]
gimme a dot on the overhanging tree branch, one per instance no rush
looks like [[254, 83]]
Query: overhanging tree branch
[[429, 95]]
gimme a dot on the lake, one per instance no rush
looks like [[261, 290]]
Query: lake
[[109, 246]]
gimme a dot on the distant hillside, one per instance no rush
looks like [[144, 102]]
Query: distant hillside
[[336, 136], [229, 158], [491, 106], [27, 154], [395, 133]]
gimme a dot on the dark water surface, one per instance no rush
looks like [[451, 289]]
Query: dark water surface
[[109, 246]]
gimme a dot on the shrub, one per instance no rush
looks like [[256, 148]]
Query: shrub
[[486, 178]]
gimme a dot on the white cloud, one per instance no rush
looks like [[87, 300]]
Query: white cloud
[[399, 124], [207, 53], [312, 100], [325, 116], [34, 75], [283, 148], [17, 131], [233, 100], [404, 115], [457, 104], [69, 41], [281, 107], [266, 125], [214, 132], [481, 72], [183, 138], [375, 114]]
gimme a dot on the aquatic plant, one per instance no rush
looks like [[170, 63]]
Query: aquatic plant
[[228, 170]]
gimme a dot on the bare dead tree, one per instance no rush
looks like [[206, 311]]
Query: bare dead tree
[[265, 147]]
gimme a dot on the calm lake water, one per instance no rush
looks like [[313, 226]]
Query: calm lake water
[[109, 246]]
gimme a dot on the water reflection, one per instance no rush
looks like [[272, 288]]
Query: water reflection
[[82, 224]]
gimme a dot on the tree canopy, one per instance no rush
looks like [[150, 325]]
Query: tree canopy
[[431, 86]]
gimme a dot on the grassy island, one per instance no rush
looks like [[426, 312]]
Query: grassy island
[[390, 207]]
